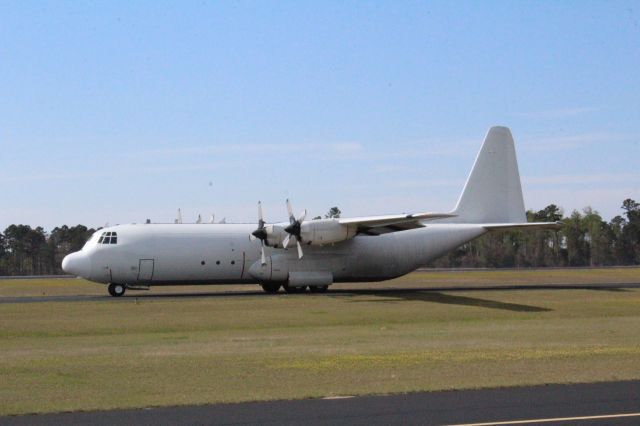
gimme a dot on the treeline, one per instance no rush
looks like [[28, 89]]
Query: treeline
[[32, 251], [584, 239]]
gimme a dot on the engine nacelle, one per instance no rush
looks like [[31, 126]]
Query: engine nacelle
[[275, 235], [314, 232], [325, 231]]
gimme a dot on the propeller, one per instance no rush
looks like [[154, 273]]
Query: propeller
[[294, 228], [260, 234]]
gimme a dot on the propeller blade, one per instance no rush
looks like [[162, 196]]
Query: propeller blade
[[261, 232], [292, 218], [294, 228], [263, 260]]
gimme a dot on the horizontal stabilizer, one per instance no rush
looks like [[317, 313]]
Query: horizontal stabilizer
[[554, 226]]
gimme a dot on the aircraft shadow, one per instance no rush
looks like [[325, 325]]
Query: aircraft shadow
[[617, 287], [436, 294], [450, 299]]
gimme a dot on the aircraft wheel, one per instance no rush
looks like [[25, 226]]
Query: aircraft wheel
[[116, 290], [319, 289], [294, 290], [270, 288]]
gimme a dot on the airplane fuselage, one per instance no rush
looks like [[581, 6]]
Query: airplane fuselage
[[161, 254]]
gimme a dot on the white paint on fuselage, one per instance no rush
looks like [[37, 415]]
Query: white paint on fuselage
[[223, 253]]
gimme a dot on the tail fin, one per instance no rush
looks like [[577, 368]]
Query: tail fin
[[493, 193]]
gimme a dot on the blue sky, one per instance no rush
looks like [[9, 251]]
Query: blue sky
[[114, 112]]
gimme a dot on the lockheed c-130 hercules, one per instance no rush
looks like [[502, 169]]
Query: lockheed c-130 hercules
[[309, 254]]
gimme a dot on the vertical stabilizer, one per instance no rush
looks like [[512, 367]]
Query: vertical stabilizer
[[493, 193]]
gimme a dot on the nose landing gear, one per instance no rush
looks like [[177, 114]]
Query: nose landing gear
[[116, 290]]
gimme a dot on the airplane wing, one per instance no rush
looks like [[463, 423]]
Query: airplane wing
[[376, 225], [522, 226]]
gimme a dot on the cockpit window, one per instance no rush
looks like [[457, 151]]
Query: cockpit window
[[108, 238]]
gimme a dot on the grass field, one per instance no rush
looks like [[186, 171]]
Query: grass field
[[141, 351]]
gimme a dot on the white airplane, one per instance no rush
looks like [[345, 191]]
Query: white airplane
[[326, 251]]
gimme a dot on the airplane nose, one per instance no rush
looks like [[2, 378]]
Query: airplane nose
[[77, 264]]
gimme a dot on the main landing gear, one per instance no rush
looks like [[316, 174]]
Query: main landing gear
[[116, 290], [270, 288], [294, 290]]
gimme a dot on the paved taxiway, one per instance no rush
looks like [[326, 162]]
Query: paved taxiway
[[611, 403], [131, 294]]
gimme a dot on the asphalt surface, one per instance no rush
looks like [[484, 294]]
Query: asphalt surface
[[618, 401], [133, 294]]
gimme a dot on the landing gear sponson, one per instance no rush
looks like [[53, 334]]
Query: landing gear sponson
[[117, 290], [273, 288]]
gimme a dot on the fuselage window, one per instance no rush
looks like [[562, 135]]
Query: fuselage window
[[108, 238]]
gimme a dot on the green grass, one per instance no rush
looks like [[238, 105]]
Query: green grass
[[147, 352]]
